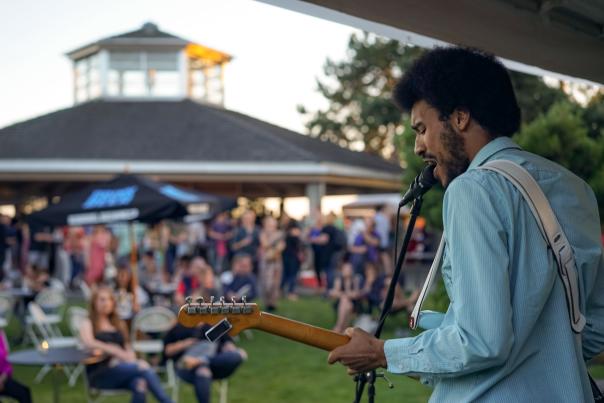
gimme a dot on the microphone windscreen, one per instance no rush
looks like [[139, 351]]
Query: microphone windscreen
[[427, 178]]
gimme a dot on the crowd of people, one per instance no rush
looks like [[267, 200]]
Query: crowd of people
[[256, 257]]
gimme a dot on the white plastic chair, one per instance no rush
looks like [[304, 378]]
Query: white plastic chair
[[154, 321], [51, 301], [75, 318], [43, 335]]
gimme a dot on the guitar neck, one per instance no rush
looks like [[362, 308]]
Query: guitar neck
[[311, 335]]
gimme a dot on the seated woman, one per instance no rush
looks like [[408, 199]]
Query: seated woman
[[8, 386], [373, 284], [401, 301], [199, 361], [106, 333], [346, 291]]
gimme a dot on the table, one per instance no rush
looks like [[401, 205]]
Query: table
[[55, 357], [20, 292]]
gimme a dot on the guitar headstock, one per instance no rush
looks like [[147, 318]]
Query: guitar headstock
[[241, 315]]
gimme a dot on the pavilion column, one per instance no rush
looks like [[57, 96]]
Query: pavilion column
[[315, 192]]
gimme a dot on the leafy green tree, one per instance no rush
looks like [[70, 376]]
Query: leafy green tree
[[361, 113], [562, 135], [534, 96]]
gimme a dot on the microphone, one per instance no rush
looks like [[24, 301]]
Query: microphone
[[420, 185]]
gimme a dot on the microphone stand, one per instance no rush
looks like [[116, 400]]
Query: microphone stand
[[370, 377]]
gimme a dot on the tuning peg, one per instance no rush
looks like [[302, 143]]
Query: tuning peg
[[201, 308], [190, 309], [246, 308], [236, 309], [223, 308], [213, 308]]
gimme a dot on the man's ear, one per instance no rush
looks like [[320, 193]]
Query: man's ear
[[460, 119]]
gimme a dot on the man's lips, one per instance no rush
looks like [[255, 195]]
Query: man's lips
[[434, 162]]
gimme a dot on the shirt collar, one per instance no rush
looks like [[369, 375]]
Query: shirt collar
[[491, 148]]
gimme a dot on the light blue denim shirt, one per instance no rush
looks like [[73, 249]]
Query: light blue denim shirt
[[506, 335]]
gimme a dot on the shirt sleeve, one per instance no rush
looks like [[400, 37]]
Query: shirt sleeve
[[478, 332], [593, 333]]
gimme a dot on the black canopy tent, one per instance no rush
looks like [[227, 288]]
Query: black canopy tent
[[128, 198]]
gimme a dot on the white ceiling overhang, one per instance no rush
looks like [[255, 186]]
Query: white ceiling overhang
[[558, 38]]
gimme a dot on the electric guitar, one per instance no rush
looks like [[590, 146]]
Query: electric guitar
[[234, 317]]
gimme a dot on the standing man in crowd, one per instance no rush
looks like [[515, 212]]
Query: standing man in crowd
[[382, 219], [506, 334], [247, 238]]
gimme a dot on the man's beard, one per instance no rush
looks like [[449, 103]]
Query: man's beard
[[456, 160]]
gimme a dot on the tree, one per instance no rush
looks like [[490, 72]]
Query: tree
[[361, 113], [563, 135], [534, 96]]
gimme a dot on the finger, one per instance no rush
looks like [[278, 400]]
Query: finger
[[351, 371], [334, 356], [349, 331]]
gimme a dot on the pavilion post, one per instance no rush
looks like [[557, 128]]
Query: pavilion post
[[315, 192]]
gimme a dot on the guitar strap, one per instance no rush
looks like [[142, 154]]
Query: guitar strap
[[414, 316], [552, 233]]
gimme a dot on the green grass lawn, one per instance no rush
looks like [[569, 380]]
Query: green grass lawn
[[278, 370]]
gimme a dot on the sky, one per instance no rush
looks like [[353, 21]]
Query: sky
[[278, 54]]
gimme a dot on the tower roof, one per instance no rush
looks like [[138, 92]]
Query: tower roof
[[149, 35]]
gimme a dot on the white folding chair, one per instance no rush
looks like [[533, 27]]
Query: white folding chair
[[44, 337], [75, 318], [153, 323], [51, 301]]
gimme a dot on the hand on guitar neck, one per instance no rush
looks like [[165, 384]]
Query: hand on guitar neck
[[356, 349], [243, 315]]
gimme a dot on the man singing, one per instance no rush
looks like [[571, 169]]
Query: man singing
[[506, 335]]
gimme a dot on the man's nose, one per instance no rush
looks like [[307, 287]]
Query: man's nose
[[420, 147]]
